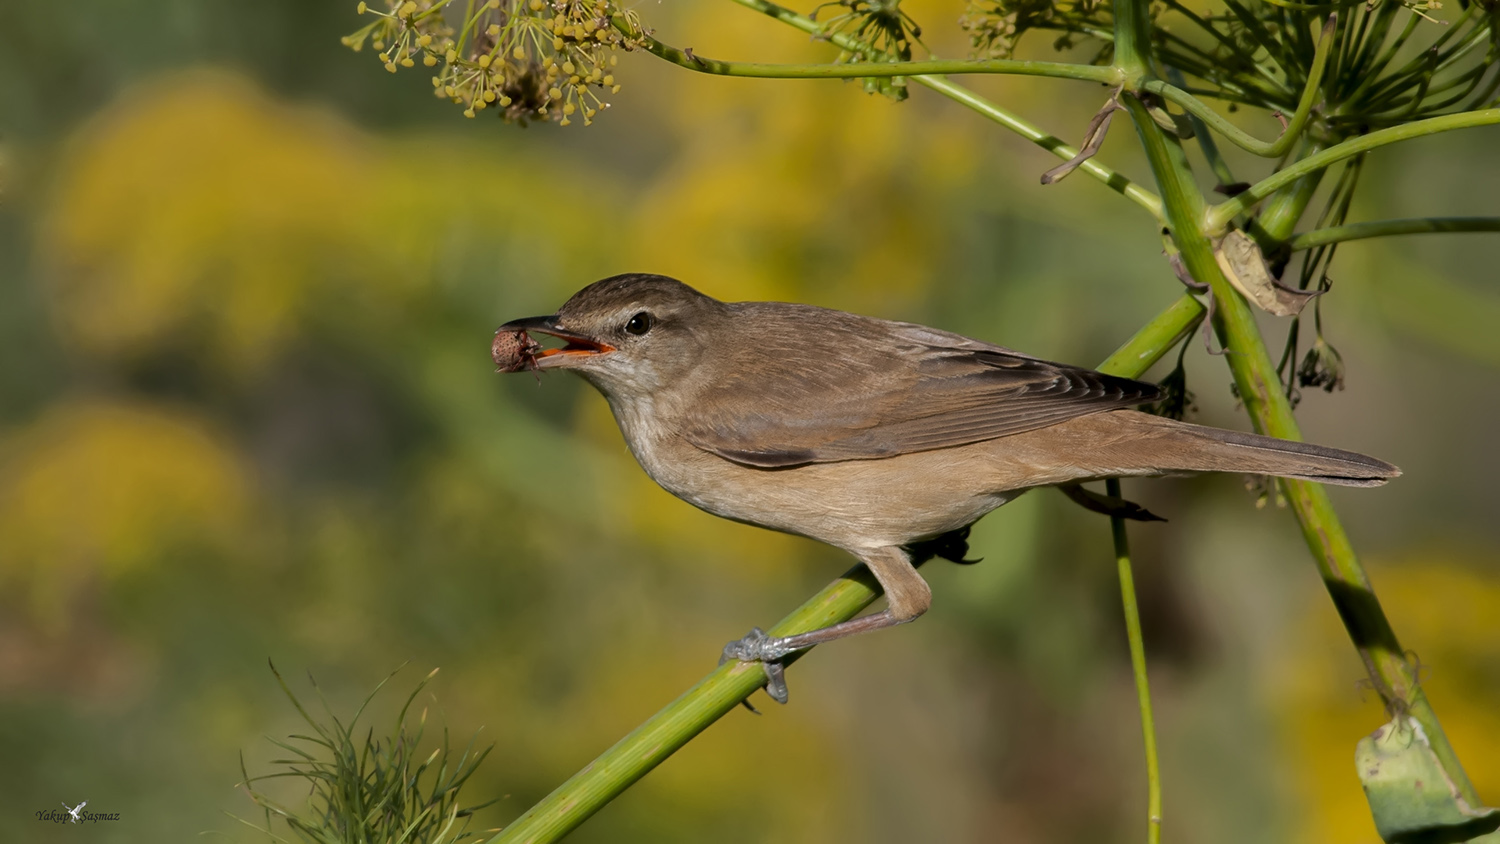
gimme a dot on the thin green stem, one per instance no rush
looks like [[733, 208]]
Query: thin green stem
[[1242, 59], [1365, 62], [1133, 52], [1386, 228], [1430, 56], [1177, 47], [1220, 215], [1112, 179], [1344, 43], [1228, 90], [1485, 97], [1239, 137], [1137, 667], [1276, 51], [1218, 94], [1307, 7], [1286, 206], [463, 34], [648, 745], [866, 69], [1210, 150], [1425, 98], [1368, 80]]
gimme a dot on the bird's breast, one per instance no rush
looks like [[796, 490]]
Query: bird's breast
[[852, 504]]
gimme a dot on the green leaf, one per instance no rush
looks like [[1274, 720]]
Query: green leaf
[[1412, 799]]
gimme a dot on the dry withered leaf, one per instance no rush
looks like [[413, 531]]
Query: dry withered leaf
[[1243, 264]]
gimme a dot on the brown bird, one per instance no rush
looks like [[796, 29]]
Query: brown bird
[[870, 435]]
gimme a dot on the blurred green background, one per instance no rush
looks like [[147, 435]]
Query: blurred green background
[[247, 285]]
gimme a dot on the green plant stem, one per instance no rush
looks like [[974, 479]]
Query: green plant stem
[[648, 745], [1277, 53], [865, 69], [1219, 217], [1236, 51], [1369, 79], [1138, 667], [1386, 228], [1133, 54], [1058, 70], [1240, 138], [1206, 144], [1112, 179], [1132, 37], [1271, 413], [1159, 336], [1279, 216]]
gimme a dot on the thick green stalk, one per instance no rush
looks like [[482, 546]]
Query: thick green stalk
[[1138, 667], [1133, 38], [1221, 215], [648, 745], [1161, 334], [1279, 216], [1271, 413], [1386, 228]]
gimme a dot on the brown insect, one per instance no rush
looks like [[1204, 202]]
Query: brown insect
[[514, 351]]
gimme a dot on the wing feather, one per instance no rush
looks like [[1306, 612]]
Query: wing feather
[[895, 388]]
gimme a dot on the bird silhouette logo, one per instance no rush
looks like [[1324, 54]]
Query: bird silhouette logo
[[75, 811]]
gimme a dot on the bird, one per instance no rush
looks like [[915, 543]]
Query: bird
[[884, 439]]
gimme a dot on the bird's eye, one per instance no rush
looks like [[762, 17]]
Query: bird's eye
[[639, 324]]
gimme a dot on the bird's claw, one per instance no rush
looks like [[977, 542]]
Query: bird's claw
[[775, 681], [756, 646]]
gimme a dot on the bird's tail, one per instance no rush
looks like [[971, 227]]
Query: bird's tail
[[1167, 446]]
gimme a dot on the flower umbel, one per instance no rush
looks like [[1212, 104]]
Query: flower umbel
[[884, 27], [528, 59]]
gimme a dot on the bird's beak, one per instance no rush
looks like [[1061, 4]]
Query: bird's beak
[[578, 346]]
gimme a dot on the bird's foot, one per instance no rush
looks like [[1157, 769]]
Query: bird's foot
[[756, 646], [1109, 505], [952, 546]]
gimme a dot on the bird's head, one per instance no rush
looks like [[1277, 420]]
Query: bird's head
[[628, 335]]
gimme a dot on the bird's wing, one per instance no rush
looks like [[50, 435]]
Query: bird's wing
[[908, 389]]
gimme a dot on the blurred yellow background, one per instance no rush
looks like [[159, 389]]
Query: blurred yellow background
[[247, 285]]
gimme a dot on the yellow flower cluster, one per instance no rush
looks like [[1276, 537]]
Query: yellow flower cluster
[[528, 59]]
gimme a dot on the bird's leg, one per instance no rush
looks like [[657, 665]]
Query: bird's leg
[[907, 596]]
